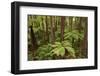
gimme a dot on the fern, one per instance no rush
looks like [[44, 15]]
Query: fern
[[60, 48], [73, 34]]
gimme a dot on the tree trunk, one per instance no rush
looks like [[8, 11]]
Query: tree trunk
[[84, 44], [62, 27], [79, 29], [55, 23], [47, 34], [52, 30], [66, 20], [33, 40], [70, 23], [43, 33], [71, 29]]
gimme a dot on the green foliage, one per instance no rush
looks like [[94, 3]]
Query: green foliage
[[60, 48], [59, 51], [67, 45], [49, 28], [71, 51], [73, 34], [43, 52]]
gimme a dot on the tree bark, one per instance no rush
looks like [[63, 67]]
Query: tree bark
[[43, 33], [70, 23], [55, 23], [52, 30], [62, 27], [71, 28], [33, 39], [84, 44], [47, 34]]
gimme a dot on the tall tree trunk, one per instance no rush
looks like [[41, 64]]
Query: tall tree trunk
[[52, 30], [79, 28], [66, 19], [62, 27], [47, 34], [70, 22], [43, 33], [84, 44], [55, 23], [71, 28], [33, 39]]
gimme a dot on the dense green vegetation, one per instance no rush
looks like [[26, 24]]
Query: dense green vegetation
[[57, 37]]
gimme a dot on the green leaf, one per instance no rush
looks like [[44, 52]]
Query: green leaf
[[57, 43], [62, 51], [56, 51], [75, 36], [81, 35], [59, 51], [71, 51], [54, 46], [66, 43], [68, 34]]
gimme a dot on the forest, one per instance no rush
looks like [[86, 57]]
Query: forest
[[57, 37]]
